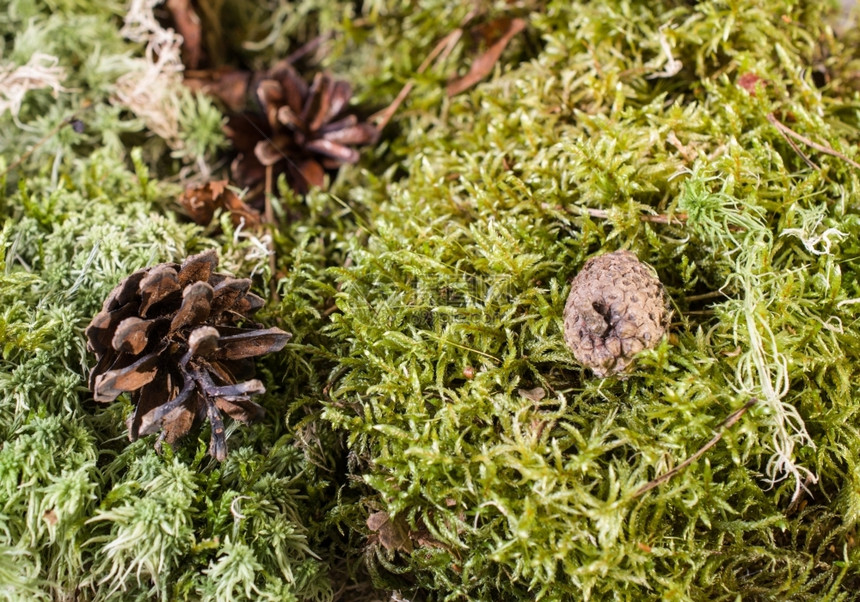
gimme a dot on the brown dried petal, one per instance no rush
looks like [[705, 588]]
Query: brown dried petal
[[131, 335], [113, 382], [199, 267], [196, 306], [251, 344], [393, 534], [158, 285]]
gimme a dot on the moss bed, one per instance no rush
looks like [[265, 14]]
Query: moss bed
[[428, 434]]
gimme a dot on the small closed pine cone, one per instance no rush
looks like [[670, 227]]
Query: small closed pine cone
[[302, 132], [616, 308], [177, 338]]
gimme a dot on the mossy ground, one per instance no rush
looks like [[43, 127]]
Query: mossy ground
[[425, 290]]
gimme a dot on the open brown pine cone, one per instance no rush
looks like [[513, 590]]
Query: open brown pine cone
[[302, 132], [177, 337]]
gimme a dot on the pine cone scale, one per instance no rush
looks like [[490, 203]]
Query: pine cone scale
[[196, 306], [240, 346], [132, 335], [158, 285], [112, 383], [198, 268], [333, 150]]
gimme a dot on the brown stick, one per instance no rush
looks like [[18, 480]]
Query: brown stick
[[785, 130], [269, 218], [726, 425], [704, 296]]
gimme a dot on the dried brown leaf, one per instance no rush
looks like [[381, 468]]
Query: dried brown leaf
[[392, 534], [536, 394], [201, 203], [483, 65]]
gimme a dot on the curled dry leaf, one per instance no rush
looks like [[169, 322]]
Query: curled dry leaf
[[393, 534], [536, 394], [178, 338], [202, 202]]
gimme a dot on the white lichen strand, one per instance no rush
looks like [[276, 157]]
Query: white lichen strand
[[616, 308]]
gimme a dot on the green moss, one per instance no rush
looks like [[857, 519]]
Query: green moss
[[425, 291]]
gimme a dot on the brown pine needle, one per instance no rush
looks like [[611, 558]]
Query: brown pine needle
[[483, 65], [726, 425], [440, 52], [787, 131]]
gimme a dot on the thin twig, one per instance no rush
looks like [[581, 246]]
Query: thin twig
[[15, 164], [269, 218], [705, 296], [784, 129], [677, 218], [726, 425]]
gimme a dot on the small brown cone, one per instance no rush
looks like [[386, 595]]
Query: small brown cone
[[169, 335], [616, 308]]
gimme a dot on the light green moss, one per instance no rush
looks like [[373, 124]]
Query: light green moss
[[425, 291]]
